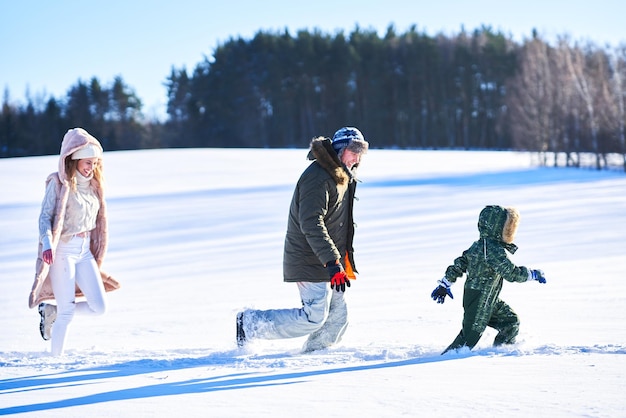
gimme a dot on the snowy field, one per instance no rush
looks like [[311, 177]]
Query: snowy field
[[197, 235]]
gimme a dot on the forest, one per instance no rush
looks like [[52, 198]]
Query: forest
[[478, 90]]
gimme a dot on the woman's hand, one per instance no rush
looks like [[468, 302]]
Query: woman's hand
[[47, 256]]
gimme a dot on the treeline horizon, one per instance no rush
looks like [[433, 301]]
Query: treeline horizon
[[478, 90]]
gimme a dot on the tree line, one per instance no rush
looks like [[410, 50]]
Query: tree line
[[478, 90]]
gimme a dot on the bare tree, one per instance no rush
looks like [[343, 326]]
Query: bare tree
[[618, 69], [532, 98], [584, 73], [566, 116]]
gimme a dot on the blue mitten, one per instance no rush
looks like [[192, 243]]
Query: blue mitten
[[441, 291], [536, 275]]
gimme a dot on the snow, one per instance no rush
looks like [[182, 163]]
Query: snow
[[197, 235]]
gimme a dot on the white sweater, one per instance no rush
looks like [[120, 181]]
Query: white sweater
[[80, 214]]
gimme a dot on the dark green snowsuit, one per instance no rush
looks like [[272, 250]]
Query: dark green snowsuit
[[487, 265]]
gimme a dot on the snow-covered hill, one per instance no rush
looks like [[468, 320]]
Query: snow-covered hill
[[196, 235]]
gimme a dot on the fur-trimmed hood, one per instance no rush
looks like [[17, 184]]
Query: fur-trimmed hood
[[322, 151], [499, 223]]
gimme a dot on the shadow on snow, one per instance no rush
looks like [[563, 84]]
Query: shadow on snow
[[233, 381]]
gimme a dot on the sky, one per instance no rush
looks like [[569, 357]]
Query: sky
[[201, 237], [47, 46]]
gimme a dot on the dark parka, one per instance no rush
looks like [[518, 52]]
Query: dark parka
[[320, 227]]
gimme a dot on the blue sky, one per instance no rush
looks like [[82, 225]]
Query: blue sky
[[47, 46]]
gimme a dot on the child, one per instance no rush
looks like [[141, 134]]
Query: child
[[486, 265]]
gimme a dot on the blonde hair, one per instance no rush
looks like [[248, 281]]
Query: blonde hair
[[71, 166]]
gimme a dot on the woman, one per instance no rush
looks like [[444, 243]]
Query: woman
[[72, 240]]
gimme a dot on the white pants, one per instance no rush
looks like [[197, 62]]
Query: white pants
[[323, 316], [73, 266]]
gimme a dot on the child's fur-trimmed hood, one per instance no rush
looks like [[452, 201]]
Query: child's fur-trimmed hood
[[499, 223]]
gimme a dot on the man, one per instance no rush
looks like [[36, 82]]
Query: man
[[318, 248]]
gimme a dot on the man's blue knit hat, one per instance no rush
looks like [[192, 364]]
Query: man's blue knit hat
[[346, 136]]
